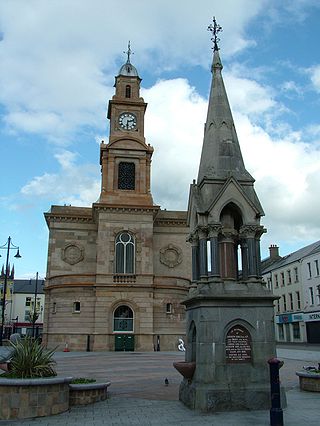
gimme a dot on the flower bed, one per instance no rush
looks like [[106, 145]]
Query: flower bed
[[309, 381], [25, 398], [83, 394]]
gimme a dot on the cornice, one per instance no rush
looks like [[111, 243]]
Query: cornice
[[70, 218], [170, 222]]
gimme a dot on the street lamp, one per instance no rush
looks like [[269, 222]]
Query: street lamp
[[7, 246]]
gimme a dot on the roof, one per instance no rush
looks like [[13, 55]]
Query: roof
[[290, 258], [28, 286]]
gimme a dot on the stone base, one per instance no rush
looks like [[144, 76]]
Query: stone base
[[211, 398], [83, 394], [309, 381]]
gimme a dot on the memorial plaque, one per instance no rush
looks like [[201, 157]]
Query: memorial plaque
[[238, 345]]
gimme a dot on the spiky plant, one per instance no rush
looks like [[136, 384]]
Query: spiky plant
[[30, 360]]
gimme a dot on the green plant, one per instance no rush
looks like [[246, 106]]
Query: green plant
[[29, 359], [82, 381]]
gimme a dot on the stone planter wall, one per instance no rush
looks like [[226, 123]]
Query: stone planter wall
[[83, 394], [309, 381], [25, 398]]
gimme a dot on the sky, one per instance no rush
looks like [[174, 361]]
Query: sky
[[58, 60]]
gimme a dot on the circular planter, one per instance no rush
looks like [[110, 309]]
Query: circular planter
[[309, 381], [185, 368], [83, 394], [24, 398]]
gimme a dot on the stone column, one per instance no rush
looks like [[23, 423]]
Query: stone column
[[244, 258], [194, 241], [214, 230], [228, 259], [251, 235], [203, 259]]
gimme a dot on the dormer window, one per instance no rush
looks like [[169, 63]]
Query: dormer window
[[126, 176], [128, 91]]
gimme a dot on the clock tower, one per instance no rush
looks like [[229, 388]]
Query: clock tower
[[126, 159]]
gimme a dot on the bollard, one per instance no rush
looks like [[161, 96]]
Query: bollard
[[88, 343], [158, 343], [276, 413]]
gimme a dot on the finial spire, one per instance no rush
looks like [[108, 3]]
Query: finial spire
[[215, 29], [128, 52]]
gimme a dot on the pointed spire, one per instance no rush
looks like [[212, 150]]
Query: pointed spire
[[221, 155]]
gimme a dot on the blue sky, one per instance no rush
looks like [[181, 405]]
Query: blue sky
[[58, 62]]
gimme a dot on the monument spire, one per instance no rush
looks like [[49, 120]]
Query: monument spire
[[221, 155]]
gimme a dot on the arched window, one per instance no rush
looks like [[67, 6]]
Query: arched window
[[126, 176], [128, 91], [124, 253], [123, 319]]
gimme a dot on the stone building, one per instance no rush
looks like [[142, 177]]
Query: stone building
[[295, 279], [118, 270]]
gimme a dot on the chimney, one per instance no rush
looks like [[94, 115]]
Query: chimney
[[274, 251]]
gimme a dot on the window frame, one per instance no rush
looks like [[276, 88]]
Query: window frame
[[75, 310], [125, 244]]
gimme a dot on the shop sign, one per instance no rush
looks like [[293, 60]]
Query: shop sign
[[313, 316], [285, 318]]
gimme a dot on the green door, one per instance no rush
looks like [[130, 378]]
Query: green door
[[124, 342]]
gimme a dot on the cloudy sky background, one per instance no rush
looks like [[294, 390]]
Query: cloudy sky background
[[58, 61]]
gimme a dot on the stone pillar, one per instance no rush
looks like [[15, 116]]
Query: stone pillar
[[251, 236], [244, 258], [194, 240], [203, 259], [228, 259], [214, 250]]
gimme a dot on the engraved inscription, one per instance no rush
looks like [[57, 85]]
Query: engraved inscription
[[238, 345]]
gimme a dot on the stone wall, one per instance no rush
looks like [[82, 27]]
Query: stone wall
[[25, 398]]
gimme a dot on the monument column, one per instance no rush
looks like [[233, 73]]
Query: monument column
[[194, 240], [228, 259], [203, 257], [214, 249]]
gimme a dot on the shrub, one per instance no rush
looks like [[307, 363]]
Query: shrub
[[30, 359]]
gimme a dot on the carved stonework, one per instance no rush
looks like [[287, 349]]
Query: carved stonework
[[171, 255], [253, 231], [72, 253]]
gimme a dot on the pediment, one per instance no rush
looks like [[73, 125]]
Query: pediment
[[232, 192]]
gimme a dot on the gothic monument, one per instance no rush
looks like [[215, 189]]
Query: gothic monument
[[230, 328]]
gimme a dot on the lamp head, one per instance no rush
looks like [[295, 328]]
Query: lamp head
[[18, 254]]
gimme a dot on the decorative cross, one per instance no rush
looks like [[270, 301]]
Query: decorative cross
[[215, 29], [128, 52]]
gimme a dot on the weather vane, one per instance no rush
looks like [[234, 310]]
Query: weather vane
[[215, 29], [128, 52]]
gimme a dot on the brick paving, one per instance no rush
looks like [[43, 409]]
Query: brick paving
[[138, 395]]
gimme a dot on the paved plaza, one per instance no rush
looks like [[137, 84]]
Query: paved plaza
[[138, 395]]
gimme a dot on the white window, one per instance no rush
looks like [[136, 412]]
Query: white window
[[28, 301], [298, 300], [309, 269], [76, 307], [291, 301], [316, 263], [125, 248], [276, 280], [296, 276], [284, 302], [318, 294], [311, 297], [282, 279], [289, 276], [123, 319]]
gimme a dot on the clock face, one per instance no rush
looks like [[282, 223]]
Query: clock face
[[127, 121]]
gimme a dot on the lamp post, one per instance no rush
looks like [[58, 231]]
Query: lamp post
[[7, 246], [35, 314]]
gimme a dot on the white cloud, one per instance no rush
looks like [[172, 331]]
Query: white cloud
[[58, 58], [315, 77], [73, 184]]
